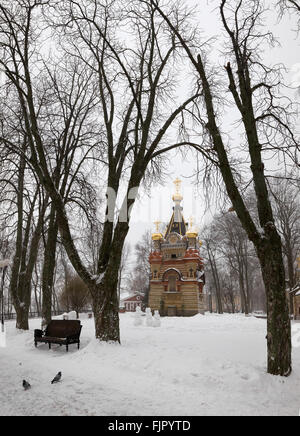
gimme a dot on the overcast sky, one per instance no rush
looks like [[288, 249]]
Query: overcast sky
[[159, 204]]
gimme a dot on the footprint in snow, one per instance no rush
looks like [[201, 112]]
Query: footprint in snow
[[245, 377]]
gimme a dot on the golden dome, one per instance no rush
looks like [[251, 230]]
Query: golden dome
[[192, 231], [157, 236], [177, 197]]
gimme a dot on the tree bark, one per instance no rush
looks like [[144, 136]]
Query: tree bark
[[49, 267], [105, 295], [214, 270], [22, 322], [279, 331], [106, 312]]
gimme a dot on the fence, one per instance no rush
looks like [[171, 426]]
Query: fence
[[32, 315]]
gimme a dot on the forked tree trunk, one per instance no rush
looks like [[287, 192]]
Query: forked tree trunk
[[105, 294]]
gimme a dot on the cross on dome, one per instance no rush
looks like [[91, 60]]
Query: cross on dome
[[157, 224], [177, 197], [177, 184]]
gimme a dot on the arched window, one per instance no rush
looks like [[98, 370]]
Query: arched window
[[172, 283], [191, 272], [155, 274]]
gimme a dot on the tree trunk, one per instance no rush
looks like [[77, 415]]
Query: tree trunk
[[36, 298], [22, 317], [243, 293], [106, 313], [279, 330], [216, 280], [247, 291], [291, 275], [105, 294], [19, 243], [49, 268]]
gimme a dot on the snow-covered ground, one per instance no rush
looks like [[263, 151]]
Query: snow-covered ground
[[204, 365]]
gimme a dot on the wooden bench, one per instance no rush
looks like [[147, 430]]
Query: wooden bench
[[61, 332]]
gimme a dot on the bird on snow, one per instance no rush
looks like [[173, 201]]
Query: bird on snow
[[56, 378], [26, 385]]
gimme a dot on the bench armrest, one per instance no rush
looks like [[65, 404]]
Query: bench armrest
[[38, 333]]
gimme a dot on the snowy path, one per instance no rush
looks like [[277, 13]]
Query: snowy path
[[212, 365]]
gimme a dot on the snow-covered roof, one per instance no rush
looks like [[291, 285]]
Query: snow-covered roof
[[132, 298]]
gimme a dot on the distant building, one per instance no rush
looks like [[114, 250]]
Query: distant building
[[177, 276], [131, 303]]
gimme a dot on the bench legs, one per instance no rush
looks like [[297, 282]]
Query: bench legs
[[49, 344]]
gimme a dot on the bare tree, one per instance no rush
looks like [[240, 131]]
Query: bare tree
[[236, 252], [124, 267], [25, 204], [230, 294], [135, 86], [75, 296], [68, 106], [138, 282], [64, 107], [291, 6], [232, 264], [286, 204], [255, 92], [211, 247]]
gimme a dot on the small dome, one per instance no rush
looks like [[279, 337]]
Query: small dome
[[157, 236], [192, 233], [177, 197], [192, 230]]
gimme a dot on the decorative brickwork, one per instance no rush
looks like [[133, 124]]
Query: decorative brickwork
[[177, 275]]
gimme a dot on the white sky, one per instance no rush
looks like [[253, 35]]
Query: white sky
[[159, 205]]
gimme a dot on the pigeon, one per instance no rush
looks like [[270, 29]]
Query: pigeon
[[56, 378], [26, 385]]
